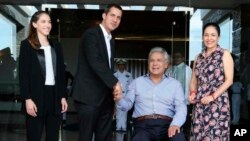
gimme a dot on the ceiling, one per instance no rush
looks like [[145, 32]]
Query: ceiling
[[73, 21], [135, 25], [203, 4]]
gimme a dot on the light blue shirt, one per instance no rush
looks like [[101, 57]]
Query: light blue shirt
[[236, 87], [165, 98], [125, 78], [183, 74]]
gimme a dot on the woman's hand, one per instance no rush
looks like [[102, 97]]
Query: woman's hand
[[207, 99], [31, 108], [191, 99], [64, 105]]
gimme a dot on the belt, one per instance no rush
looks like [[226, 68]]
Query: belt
[[154, 116]]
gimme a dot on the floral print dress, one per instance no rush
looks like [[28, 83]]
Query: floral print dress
[[210, 122]]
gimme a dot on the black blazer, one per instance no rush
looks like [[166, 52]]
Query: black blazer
[[94, 80], [32, 74]]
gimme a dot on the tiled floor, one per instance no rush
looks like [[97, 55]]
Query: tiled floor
[[12, 126], [14, 130]]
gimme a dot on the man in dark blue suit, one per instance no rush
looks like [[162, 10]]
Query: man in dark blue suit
[[94, 80]]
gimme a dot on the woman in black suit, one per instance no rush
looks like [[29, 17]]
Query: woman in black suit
[[42, 87]]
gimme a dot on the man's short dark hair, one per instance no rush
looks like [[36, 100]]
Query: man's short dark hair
[[106, 10]]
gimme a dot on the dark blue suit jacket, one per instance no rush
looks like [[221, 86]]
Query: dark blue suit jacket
[[94, 79]]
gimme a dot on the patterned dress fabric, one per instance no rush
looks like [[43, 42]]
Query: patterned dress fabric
[[210, 122]]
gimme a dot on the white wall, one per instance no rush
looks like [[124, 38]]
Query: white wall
[[195, 44]]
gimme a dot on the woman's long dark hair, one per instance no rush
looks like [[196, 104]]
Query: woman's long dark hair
[[32, 37]]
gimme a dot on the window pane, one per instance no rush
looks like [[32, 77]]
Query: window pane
[[7, 35], [226, 34]]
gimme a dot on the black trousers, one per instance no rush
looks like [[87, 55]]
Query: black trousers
[[154, 130], [49, 120], [94, 121]]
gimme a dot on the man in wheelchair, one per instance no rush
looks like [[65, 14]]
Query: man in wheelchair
[[159, 105]]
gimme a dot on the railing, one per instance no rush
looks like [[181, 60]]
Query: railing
[[137, 67]]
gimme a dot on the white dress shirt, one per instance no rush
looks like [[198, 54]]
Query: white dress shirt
[[107, 37], [50, 78]]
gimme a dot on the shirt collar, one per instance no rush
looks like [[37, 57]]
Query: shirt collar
[[105, 33], [180, 65], [148, 75], [120, 71], [45, 47]]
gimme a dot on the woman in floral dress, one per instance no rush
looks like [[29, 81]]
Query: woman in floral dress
[[212, 76]]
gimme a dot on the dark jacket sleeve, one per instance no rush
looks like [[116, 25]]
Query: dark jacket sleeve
[[24, 70], [95, 52]]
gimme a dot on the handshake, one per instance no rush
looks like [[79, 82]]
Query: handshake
[[117, 91]]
